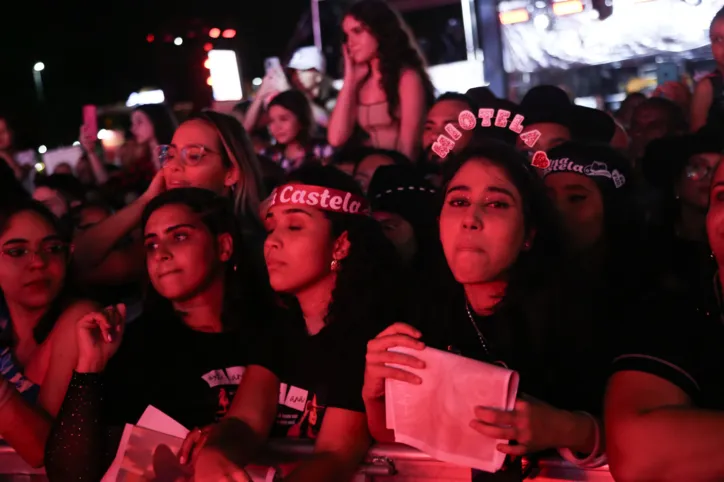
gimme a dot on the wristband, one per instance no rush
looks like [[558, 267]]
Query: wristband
[[594, 459]]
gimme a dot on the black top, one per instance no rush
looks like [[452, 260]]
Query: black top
[[715, 116], [320, 371], [556, 362], [191, 376], [682, 344]]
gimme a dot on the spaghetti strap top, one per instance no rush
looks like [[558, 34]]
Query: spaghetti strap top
[[381, 127], [9, 367]]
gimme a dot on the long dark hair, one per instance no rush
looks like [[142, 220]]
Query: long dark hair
[[47, 321], [296, 102], [533, 276], [397, 49], [163, 120], [245, 295], [369, 276]]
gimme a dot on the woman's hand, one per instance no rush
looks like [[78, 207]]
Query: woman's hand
[[378, 356], [212, 466], [354, 73], [99, 336], [157, 186], [193, 444], [87, 138], [532, 424]]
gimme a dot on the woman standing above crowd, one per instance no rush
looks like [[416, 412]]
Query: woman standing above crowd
[[386, 89]]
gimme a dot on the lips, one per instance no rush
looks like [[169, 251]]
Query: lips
[[274, 264], [177, 183], [166, 273], [37, 283]]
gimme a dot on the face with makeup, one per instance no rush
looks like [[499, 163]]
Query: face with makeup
[[580, 204], [33, 261], [482, 227], [182, 255], [361, 43]]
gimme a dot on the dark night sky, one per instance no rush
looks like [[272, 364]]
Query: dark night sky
[[96, 52]]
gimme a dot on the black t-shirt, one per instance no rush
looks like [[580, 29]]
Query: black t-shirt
[[318, 372], [189, 375], [681, 343]]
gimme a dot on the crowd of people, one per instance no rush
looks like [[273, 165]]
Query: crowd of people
[[248, 274]]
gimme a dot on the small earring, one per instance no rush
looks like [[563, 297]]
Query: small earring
[[526, 246], [235, 267], [335, 265]]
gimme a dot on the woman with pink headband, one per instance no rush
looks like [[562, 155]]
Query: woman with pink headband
[[334, 269]]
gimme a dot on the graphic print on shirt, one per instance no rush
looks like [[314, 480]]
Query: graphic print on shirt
[[11, 371], [300, 413], [223, 384]]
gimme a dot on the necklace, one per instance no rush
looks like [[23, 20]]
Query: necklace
[[477, 330]]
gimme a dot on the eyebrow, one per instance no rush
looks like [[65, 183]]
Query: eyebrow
[[498, 189], [576, 187], [171, 228], [289, 211], [52, 237]]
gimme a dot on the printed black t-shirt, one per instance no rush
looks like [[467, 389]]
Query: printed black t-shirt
[[191, 376], [675, 340], [316, 373]]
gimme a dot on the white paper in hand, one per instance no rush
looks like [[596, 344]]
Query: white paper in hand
[[435, 416]]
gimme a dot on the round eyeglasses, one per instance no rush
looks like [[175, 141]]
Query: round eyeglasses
[[189, 155]]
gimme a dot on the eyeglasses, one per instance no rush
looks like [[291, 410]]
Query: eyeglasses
[[697, 173], [22, 255], [191, 155]]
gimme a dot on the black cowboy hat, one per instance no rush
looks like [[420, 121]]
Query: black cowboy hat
[[551, 104], [665, 158]]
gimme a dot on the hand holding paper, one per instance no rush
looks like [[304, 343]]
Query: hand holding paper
[[435, 415]]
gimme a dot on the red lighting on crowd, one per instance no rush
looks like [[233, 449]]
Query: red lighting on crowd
[[214, 32], [208, 46], [229, 33], [207, 63], [209, 81], [150, 38]]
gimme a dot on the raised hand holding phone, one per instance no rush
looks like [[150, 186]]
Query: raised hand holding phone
[[99, 336]]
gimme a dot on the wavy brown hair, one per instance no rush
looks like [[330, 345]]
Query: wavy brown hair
[[397, 49]]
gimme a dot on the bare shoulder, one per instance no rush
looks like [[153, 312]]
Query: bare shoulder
[[409, 77], [703, 86]]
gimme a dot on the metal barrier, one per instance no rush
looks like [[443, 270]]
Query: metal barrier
[[384, 463]]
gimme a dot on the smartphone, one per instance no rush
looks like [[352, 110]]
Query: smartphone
[[271, 64], [90, 118]]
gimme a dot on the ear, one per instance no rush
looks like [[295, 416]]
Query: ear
[[225, 247], [232, 176], [341, 247]]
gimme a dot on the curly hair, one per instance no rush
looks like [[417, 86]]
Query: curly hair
[[247, 295], [371, 274], [397, 49]]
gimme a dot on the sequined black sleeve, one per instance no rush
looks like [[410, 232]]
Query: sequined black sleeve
[[79, 447]]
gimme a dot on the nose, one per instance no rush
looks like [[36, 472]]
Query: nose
[[473, 218], [271, 242], [173, 164], [162, 253], [38, 260]]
